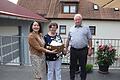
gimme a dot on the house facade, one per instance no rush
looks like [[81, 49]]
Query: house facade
[[103, 22]]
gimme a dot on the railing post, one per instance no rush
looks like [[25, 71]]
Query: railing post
[[21, 40]]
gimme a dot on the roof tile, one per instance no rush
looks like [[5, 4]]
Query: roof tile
[[52, 9], [9, 8]]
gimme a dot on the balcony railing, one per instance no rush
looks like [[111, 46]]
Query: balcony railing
[[14, 49], [96, 42]]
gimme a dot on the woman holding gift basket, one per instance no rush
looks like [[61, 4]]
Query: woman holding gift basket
[[53, 60], [37, 51]]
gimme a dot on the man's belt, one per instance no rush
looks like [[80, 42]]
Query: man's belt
[[79, 48]]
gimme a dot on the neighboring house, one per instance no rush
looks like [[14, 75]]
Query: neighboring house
[[103, 22], [14, 29]]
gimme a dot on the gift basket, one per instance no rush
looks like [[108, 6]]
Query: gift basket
[[56, 45]]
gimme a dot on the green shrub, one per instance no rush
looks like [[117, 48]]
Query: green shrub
[[89, 68]]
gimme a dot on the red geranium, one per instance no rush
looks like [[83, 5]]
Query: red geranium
[[106, 55]]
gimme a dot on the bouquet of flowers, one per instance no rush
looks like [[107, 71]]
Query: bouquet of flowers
[[106, 55]]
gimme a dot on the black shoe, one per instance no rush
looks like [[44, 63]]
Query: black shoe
[[72, 78], [83, 79]]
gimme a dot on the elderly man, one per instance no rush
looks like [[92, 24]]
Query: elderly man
[[80, 40]]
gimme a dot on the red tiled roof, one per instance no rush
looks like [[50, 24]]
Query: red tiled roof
[[52, 9], [69, 0], [11, 9]]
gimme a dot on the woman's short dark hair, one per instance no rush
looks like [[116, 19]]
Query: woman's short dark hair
[[53, 24], [40, 30]]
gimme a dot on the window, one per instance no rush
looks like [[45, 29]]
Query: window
[[62, 29], [66, 9], [95, 6], [93, 30], [116, 9], [69, 8], [72, 9]]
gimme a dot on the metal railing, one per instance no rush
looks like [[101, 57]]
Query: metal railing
[[9, 49], [14, 48], [96, 42]]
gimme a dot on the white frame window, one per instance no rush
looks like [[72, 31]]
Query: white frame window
[[96, 7], [93, 30], [66, 9], [70, 9], [73, 9]]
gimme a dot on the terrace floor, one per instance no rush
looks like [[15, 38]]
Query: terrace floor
[[25, 73]]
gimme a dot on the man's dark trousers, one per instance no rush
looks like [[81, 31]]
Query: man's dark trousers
[[76, 54]]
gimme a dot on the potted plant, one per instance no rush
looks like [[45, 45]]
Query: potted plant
[[106, 56], [89, 68]]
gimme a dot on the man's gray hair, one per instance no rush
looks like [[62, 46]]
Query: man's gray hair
[[77, 15]]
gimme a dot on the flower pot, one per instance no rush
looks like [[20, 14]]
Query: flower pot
[[103, 69]]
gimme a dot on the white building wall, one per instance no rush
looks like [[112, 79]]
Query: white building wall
[[104, 29], [68, 23], [8, 30], [45, 28]]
